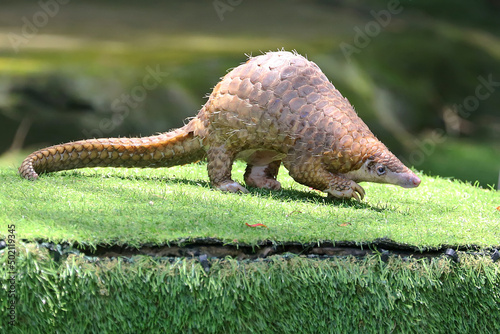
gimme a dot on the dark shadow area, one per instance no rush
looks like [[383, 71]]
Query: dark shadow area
[[216, 249], [283, 194]]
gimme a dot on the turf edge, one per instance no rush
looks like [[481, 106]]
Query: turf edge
[[278, 295]]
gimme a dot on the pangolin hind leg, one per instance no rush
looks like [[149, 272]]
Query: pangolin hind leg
[[315, 175], [263, 176], [220, 161]]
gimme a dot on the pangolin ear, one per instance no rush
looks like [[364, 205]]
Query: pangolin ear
[[370, 165]]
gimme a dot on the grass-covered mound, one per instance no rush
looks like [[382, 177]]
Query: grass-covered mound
[[134, 207], [277, 295], [114, 207]]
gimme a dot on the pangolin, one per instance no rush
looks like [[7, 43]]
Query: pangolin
[[276, 108]]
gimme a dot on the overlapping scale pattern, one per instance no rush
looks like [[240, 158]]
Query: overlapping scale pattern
[[164, 150]]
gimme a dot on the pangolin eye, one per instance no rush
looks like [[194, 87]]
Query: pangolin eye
[[380, 170]]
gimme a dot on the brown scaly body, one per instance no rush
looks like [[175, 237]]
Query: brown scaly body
[[277, 107]]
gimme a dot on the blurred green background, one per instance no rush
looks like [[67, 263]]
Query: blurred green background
[[424, 75]]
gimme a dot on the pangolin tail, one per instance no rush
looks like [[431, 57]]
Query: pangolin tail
[[173, 148]]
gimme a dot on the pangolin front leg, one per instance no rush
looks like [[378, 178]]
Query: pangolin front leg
[[220, 161], [341, 187], [315, 175]]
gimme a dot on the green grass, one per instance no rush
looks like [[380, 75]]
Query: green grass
[[159, 206]]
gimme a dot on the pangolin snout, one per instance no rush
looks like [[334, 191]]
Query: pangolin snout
[[412, 181]]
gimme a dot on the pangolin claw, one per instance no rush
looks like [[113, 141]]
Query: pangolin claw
[[232, 187], [354, 191], [360, 190]]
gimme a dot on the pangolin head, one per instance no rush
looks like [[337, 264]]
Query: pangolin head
[[382, 166]]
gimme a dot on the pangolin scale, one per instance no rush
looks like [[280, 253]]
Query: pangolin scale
[[276, 108]]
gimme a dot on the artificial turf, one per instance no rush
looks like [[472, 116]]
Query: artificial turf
[[158, 206]]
